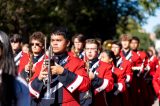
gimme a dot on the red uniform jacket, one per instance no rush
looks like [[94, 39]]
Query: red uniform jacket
[[119, 78], [80, 55], [102, 83], [65, 88], [26, 58], [132, 57], [152, 64], [103, 80], [156, 82], [23, 61], [114, 98], [143, 57], [125, 65]]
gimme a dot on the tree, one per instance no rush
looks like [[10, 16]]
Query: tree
[[157, 31], [100, 18]]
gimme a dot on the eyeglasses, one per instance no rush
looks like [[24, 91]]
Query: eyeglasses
[[36, 44], [92, 49]]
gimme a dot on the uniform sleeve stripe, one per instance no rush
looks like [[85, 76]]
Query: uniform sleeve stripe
[[17, 63], [32, 91], [75, 84], [120, 86], [103, 86], [22, 81], [129, 56], [55, 88], [128, 78], [18, 56]]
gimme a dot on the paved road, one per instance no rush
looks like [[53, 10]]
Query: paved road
[[156, 103]]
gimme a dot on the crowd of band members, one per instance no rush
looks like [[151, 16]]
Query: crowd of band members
[[86, 75]]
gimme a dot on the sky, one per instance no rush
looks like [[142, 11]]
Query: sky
[[152, 21]]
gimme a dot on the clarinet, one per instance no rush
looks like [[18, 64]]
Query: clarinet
[[76, 52], [30, 68], [88, 93]]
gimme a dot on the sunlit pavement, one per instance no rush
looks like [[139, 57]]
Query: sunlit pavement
[[156, 103]]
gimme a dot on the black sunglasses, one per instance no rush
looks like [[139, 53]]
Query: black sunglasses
[[37, 44], [14, 41]]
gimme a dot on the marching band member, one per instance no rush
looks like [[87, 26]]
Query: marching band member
[[156, 82], [29, 60], [134, 44], [114, 97], [68, 76], [25, 48], [136, 61], [127, 53], [123, 65], [16, 42], [143, 89], [152, 62], [78, 45], [100, 75], [149, 75]]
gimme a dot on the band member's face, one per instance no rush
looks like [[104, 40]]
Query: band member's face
[[134, 45], [77, 44], [116, 49], [15, 45], [125, 44], [36, 46], [59, 43], [25, 49], [91, 50], [105, 58], [150, 53]]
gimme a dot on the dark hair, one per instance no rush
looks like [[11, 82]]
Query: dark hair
[[116, 42], [80, 37], [63, 31], [8, 72], [135, 38], [16, 37], [110, 55], [37, 36]]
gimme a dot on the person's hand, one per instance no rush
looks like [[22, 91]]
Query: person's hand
[[43, 73], [26, 68], [91, 75], [116, 92], [57, 69]]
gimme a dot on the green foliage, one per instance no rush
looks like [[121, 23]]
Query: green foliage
[[145, 41], [157, 31], [103, 18]]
